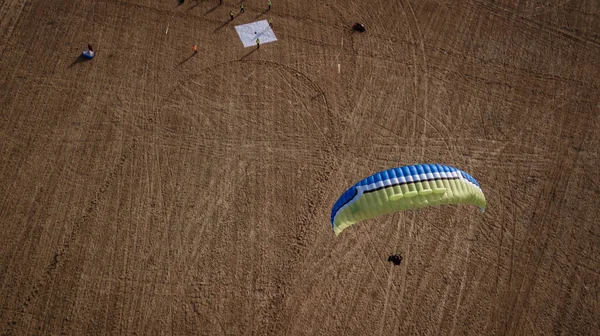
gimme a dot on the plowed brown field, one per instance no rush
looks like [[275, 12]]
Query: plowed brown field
[[153, 192]]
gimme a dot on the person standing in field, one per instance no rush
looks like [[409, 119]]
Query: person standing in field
[[195, 49], [230, 15], [257, 43], [269, 4], [271, 22], [241, 8]]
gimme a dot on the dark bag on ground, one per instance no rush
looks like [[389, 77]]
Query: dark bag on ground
[[358, 27]]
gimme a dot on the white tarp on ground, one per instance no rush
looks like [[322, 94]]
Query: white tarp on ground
[[251, 31]]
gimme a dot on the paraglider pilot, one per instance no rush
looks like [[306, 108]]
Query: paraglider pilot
[[395, 258]]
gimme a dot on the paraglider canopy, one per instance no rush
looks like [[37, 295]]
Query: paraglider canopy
[[405, 188]]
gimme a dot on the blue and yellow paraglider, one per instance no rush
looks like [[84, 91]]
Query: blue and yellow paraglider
[[404, 188]]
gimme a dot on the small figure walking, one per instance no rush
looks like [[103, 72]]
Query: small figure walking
[[241, 7], [230, 15], [271, 22], [269, 4], [195, 49], [257, 43], [90, 48]]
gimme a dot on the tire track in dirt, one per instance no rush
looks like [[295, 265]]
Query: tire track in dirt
[[462, 283], [570, 140], [500, 158], [497, 156], [11, 12], [34, 141], [338, 137], [64, 250], [503, 12], [304, 232], [508, 200], [425, 76], [272, 317]]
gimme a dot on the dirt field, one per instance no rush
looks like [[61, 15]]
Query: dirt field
[[152, 192]]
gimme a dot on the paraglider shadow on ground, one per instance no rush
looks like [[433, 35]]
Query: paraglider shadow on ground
[[212, 9], [261, 14], [79, 59], [186, 59], [198, 2], [225, 23], [248, 54], [220, 27]]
